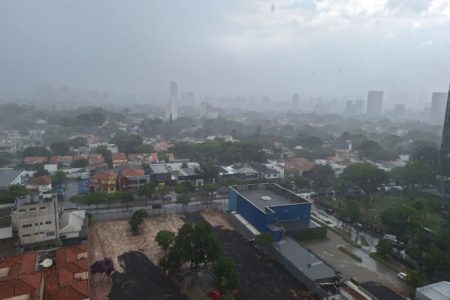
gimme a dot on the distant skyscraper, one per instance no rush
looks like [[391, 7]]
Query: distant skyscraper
[[374, 103], [437, 111], [399, 109], [444, 158], [295, 100], [172, 111]]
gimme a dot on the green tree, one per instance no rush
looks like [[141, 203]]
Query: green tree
[[107, 155], [60, 177], [384, 247], [80, 163], [426, 153], [147, 191], [36, 151], [322, 177], [127, 143], [193, 243], [365, 176], [227, 275], [301, 182], [183, 199], [136, 220], [264, 240], [184, 187], [286, 183], [60, 148], [165, 239], [413, 174], [372, 150], [78, 142], [351, 211]]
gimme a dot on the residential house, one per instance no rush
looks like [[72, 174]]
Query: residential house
[[297, 166], [104, 181], [41, 184], [240, 172], [142, 158], [132, 178], [20, 277], [119, 159], [69, 278], [24, 277], [65, 160], [71, 224], [35, 160]]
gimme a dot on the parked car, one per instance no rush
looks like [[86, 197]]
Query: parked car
[[402, 275]]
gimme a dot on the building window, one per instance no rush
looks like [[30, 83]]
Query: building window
[[51, 233], [48, 222], [33, 208], [42, 207], [25, 235], [22, 210]]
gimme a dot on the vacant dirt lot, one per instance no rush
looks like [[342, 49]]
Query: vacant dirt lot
[[113, 238], [261, 278]]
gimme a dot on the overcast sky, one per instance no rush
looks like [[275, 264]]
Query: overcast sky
[[329, 48]]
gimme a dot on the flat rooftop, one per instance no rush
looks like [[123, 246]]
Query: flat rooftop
[[278, 195], [436, 291], [307, 262]]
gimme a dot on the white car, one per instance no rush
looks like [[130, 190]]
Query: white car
[[402, 276]]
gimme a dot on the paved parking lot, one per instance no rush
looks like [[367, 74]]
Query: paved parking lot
[[367, 270]]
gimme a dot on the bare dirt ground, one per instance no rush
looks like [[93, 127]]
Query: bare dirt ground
[[113, 238], [261, 278]]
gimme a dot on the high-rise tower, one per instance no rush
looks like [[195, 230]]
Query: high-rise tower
[[444, 157], [172, 110], [374, 103], [437, 110]]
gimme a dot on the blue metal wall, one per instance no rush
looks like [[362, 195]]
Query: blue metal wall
[[293, 212], [260, 220], [232, 199]]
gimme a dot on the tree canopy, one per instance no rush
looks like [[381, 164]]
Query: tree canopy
[[365, 176]]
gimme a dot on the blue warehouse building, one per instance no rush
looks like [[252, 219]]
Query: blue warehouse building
[[270, 208]]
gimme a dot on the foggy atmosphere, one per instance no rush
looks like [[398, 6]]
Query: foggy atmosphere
[[290, 149]]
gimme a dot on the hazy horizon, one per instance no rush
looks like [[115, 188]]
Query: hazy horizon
[[335, 49]]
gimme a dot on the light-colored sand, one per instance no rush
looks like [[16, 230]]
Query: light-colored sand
[[112, 238]]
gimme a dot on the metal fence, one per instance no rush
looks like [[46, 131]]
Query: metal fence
[[125, 213]]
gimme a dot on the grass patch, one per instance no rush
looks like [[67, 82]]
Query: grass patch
[[363, 241], [382, 260], [349, 253], [346, 237]]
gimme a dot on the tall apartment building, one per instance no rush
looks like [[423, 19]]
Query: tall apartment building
[[374, 103], [437, 110], [444, 157], [172, 110]]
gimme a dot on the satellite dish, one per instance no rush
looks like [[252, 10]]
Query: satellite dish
[[265, 198], [47, 263]]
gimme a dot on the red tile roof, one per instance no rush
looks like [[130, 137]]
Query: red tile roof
[[61, 159], [119, 156], [60, 281], [132, 172], [106, 175], [21, 279], [41, 180], [32, 160], [298, 164]]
